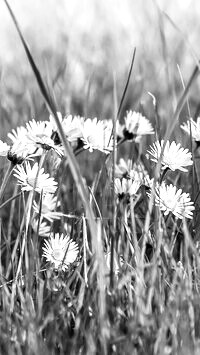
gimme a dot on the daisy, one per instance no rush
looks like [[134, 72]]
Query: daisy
[[18, 135], [30, 178], [44, 228], [71, 127], [21, 147], [60, 250], [169, 199], [193, 127], [108, 123], [125, 187], [95, 135], [40, 133], [130, 170], [47, 207], [39, 128], [21, 150], [173, 157], [52, 121], [136, 126]]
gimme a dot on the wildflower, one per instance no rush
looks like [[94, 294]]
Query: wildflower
[[192, 127], [18, 135], [44, 229], [19, 151], [125, 187], [96, 135], [47, 208], [72, 127], [4, 148], [21, 148], [173, 157], [40, 133], [60, 250], [136, 126], [130, 170], [52, 122], [30, 178], [169, 199]]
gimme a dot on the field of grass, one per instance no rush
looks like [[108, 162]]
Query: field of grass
[[99, 177]]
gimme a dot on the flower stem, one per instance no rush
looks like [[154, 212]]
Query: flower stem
[[5, 180], [163, 174]]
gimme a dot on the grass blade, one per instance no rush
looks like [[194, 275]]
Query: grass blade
[[81, 187], [127, 84]]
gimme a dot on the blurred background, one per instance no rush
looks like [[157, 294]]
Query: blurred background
[[79, 45]]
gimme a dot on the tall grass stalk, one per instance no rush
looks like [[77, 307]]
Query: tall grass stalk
[[52, 110]]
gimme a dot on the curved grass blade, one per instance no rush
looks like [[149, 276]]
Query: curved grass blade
[[127, 84], [81, 187]]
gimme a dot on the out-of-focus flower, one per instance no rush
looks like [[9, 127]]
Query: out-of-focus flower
[[125, 187], [130, 170], [170, 199], [135, 126], [44, 229], [30, 178], [60, 250], [4, 148], [193, 127], [47, 207], [95, 135], [173, 157]]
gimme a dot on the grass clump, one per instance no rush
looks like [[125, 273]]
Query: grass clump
[[99, 231]]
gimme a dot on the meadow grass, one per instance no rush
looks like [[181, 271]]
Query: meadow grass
[[94, 260]]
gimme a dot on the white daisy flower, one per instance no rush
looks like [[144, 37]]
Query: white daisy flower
[[130, 170], [125, 187], [169, 199], [47, 144], [21, 150], [136, 126], [119, 128], [71, 126], [95, 135], [40, 133], [60, 250], [39, 128], [195, 128], [52, 122], [173, 157], [4, 148], [47, 208], [29, 178], [44, 228], [18, 135]]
